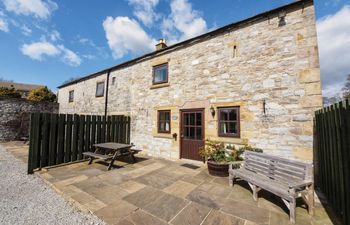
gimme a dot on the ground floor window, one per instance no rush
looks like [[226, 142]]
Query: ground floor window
[[164, 121], [229, 125]]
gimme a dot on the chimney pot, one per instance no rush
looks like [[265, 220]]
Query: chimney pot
[[161, 44]]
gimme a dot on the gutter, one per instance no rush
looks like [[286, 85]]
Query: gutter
[[107, 87]]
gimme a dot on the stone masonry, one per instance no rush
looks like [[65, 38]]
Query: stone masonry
[[275, 64], [15, 116]]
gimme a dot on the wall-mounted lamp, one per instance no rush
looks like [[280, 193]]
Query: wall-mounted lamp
[[212, 111], [264, 107], [282, 18], [175, 136]]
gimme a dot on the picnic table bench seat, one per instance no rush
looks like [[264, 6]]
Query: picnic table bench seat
[[288, 179], [97, 155], [110, 151]]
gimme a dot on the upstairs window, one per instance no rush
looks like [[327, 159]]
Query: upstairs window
[[164, 121], [229, 125], [71, 96], [160, 74], [100, 89]]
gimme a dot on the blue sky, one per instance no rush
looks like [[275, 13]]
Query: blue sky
[[47, 42]]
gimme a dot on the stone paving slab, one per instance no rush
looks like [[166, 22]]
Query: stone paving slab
[[157, 192], [192, 214]]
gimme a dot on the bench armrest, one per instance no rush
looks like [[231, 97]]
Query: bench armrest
[[237, 163], [300, 184]]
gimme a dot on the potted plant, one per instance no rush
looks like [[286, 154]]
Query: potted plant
[[250, 148], [219, 156]]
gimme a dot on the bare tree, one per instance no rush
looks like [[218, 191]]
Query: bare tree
[[70, 80]]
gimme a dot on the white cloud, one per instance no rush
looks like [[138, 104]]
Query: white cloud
[[334, 44], [38, 8], [4, 26], [26, 30], [69, 57], [144, 10], [183, 22], [125, 36], [55, 35], [332, 2], [38, 50], [100, 51]]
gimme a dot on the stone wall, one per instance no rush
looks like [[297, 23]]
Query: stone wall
[[275, 64], [15, 116], [84, 101]]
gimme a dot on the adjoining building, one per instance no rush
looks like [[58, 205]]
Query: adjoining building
[[23, 89], [256, 82]]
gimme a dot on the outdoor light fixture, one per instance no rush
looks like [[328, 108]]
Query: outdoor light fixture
[[212, 111], [264, 107], [282, 18]]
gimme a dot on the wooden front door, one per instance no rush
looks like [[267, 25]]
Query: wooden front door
[[192, 133]]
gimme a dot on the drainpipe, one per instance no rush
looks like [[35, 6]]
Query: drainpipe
[[106, 98]]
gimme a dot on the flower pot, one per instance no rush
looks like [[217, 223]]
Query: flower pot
[[217, 169]]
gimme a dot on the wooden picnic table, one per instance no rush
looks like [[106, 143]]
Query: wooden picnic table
[[111, 151]]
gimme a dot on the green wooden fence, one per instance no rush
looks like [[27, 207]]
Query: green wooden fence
[[62, 138], [333, 144]]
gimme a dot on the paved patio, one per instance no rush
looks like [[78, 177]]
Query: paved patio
[[157, 191]]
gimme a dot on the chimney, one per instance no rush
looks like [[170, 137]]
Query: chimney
[[161, 44]]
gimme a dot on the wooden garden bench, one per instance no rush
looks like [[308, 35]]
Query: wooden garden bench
[[288, 179]]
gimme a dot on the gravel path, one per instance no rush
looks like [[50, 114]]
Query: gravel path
[[26, 199]]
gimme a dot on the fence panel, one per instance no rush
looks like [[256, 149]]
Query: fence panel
[[332, 125], [60, 138]]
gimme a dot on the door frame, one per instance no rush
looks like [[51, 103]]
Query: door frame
[[181, 126]]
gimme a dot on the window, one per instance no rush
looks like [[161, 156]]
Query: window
[[100, 89], [229, 122], [113, 80], [71, 96], [164, 121], [235, 51], [160, 74]]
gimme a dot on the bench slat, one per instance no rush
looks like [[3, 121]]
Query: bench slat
[[98, 156]]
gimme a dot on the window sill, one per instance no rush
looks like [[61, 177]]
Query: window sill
[[230, 140], [160, 135], [155, 86]]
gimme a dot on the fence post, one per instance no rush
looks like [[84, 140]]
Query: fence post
[[87, 133], [31, 142], [53, 140], [98, 128], [74, 152], [68, 146], [93, 130], [128, 131], [81, 141]]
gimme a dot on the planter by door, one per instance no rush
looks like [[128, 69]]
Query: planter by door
[[192, 133], [217, 169]]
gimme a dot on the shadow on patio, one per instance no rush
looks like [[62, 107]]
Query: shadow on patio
[[157, 191]]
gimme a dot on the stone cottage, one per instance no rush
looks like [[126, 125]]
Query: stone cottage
[[256, 82]]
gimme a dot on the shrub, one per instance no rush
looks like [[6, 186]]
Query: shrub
[[9, 93], [41, 95], [250, 148], [217, 151]]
